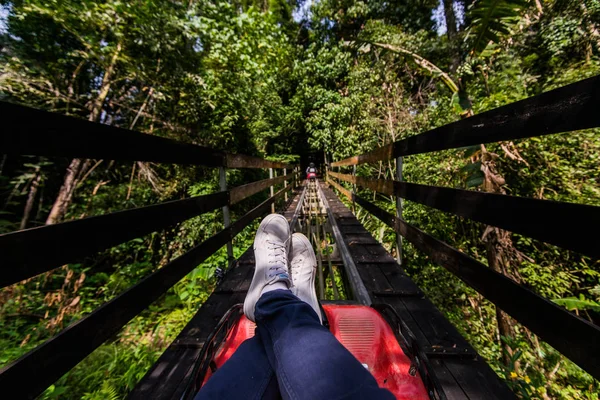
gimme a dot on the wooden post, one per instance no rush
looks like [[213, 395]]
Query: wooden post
[[295, 179], [399, 165], [353, 190], [226, 216], [271, 190], [285, 184]]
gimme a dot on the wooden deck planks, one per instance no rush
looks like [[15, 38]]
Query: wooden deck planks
[[387, 283], [166, 379]]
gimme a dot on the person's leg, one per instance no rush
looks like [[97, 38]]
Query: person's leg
[[310, 363], [307, 359], [246, 375]]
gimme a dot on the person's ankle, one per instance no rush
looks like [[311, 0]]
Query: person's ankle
[[275, 286]]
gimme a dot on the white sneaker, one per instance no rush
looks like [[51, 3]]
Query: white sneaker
[[271, 247], [303, 266]]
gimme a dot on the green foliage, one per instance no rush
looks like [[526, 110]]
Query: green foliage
[[491, 19], [244, 77], [396, 98], [206, 73], [574, 303]]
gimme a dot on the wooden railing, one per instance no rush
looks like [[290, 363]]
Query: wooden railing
[[570, 226], [27, 253]]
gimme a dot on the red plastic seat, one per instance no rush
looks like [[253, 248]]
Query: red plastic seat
[[365, 334]]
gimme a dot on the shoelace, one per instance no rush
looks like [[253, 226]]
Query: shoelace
[[297, 262], [278, 257]]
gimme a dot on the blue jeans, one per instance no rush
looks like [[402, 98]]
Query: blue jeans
[[292, 356]]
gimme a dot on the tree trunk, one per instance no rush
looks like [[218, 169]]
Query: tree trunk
[[142, 108], [494, 238], [65, 194], [539, 7], [452, 33], [40, 207], [35, 183], [593, 35], [78, 167], [450, 19], [105, 87], [501, 253]]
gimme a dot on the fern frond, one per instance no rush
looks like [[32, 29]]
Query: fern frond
[[491, 19]]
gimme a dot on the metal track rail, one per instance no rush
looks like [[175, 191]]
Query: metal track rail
[[294, 220], [169, 376], [359, 291]]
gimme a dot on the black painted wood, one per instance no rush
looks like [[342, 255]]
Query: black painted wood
[[70, 241], [256, 212], [388, 284], [574, 337], [55, 357], [240, 193], [166, 379], [554, 222], [244, 161], [56, 245], [565, 109], [28, 131]]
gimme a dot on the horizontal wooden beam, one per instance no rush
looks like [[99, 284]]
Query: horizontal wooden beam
[[574, 337], [28, 131], [240, 193], [68, 242], [339, 187], [27, 253], [569, 108], [52, 359], [256, 212], [243, 161], [381, 153], [55, 357], [554, 222]]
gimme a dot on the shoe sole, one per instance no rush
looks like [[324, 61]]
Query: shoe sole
[[254, 291], [314, 301]]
